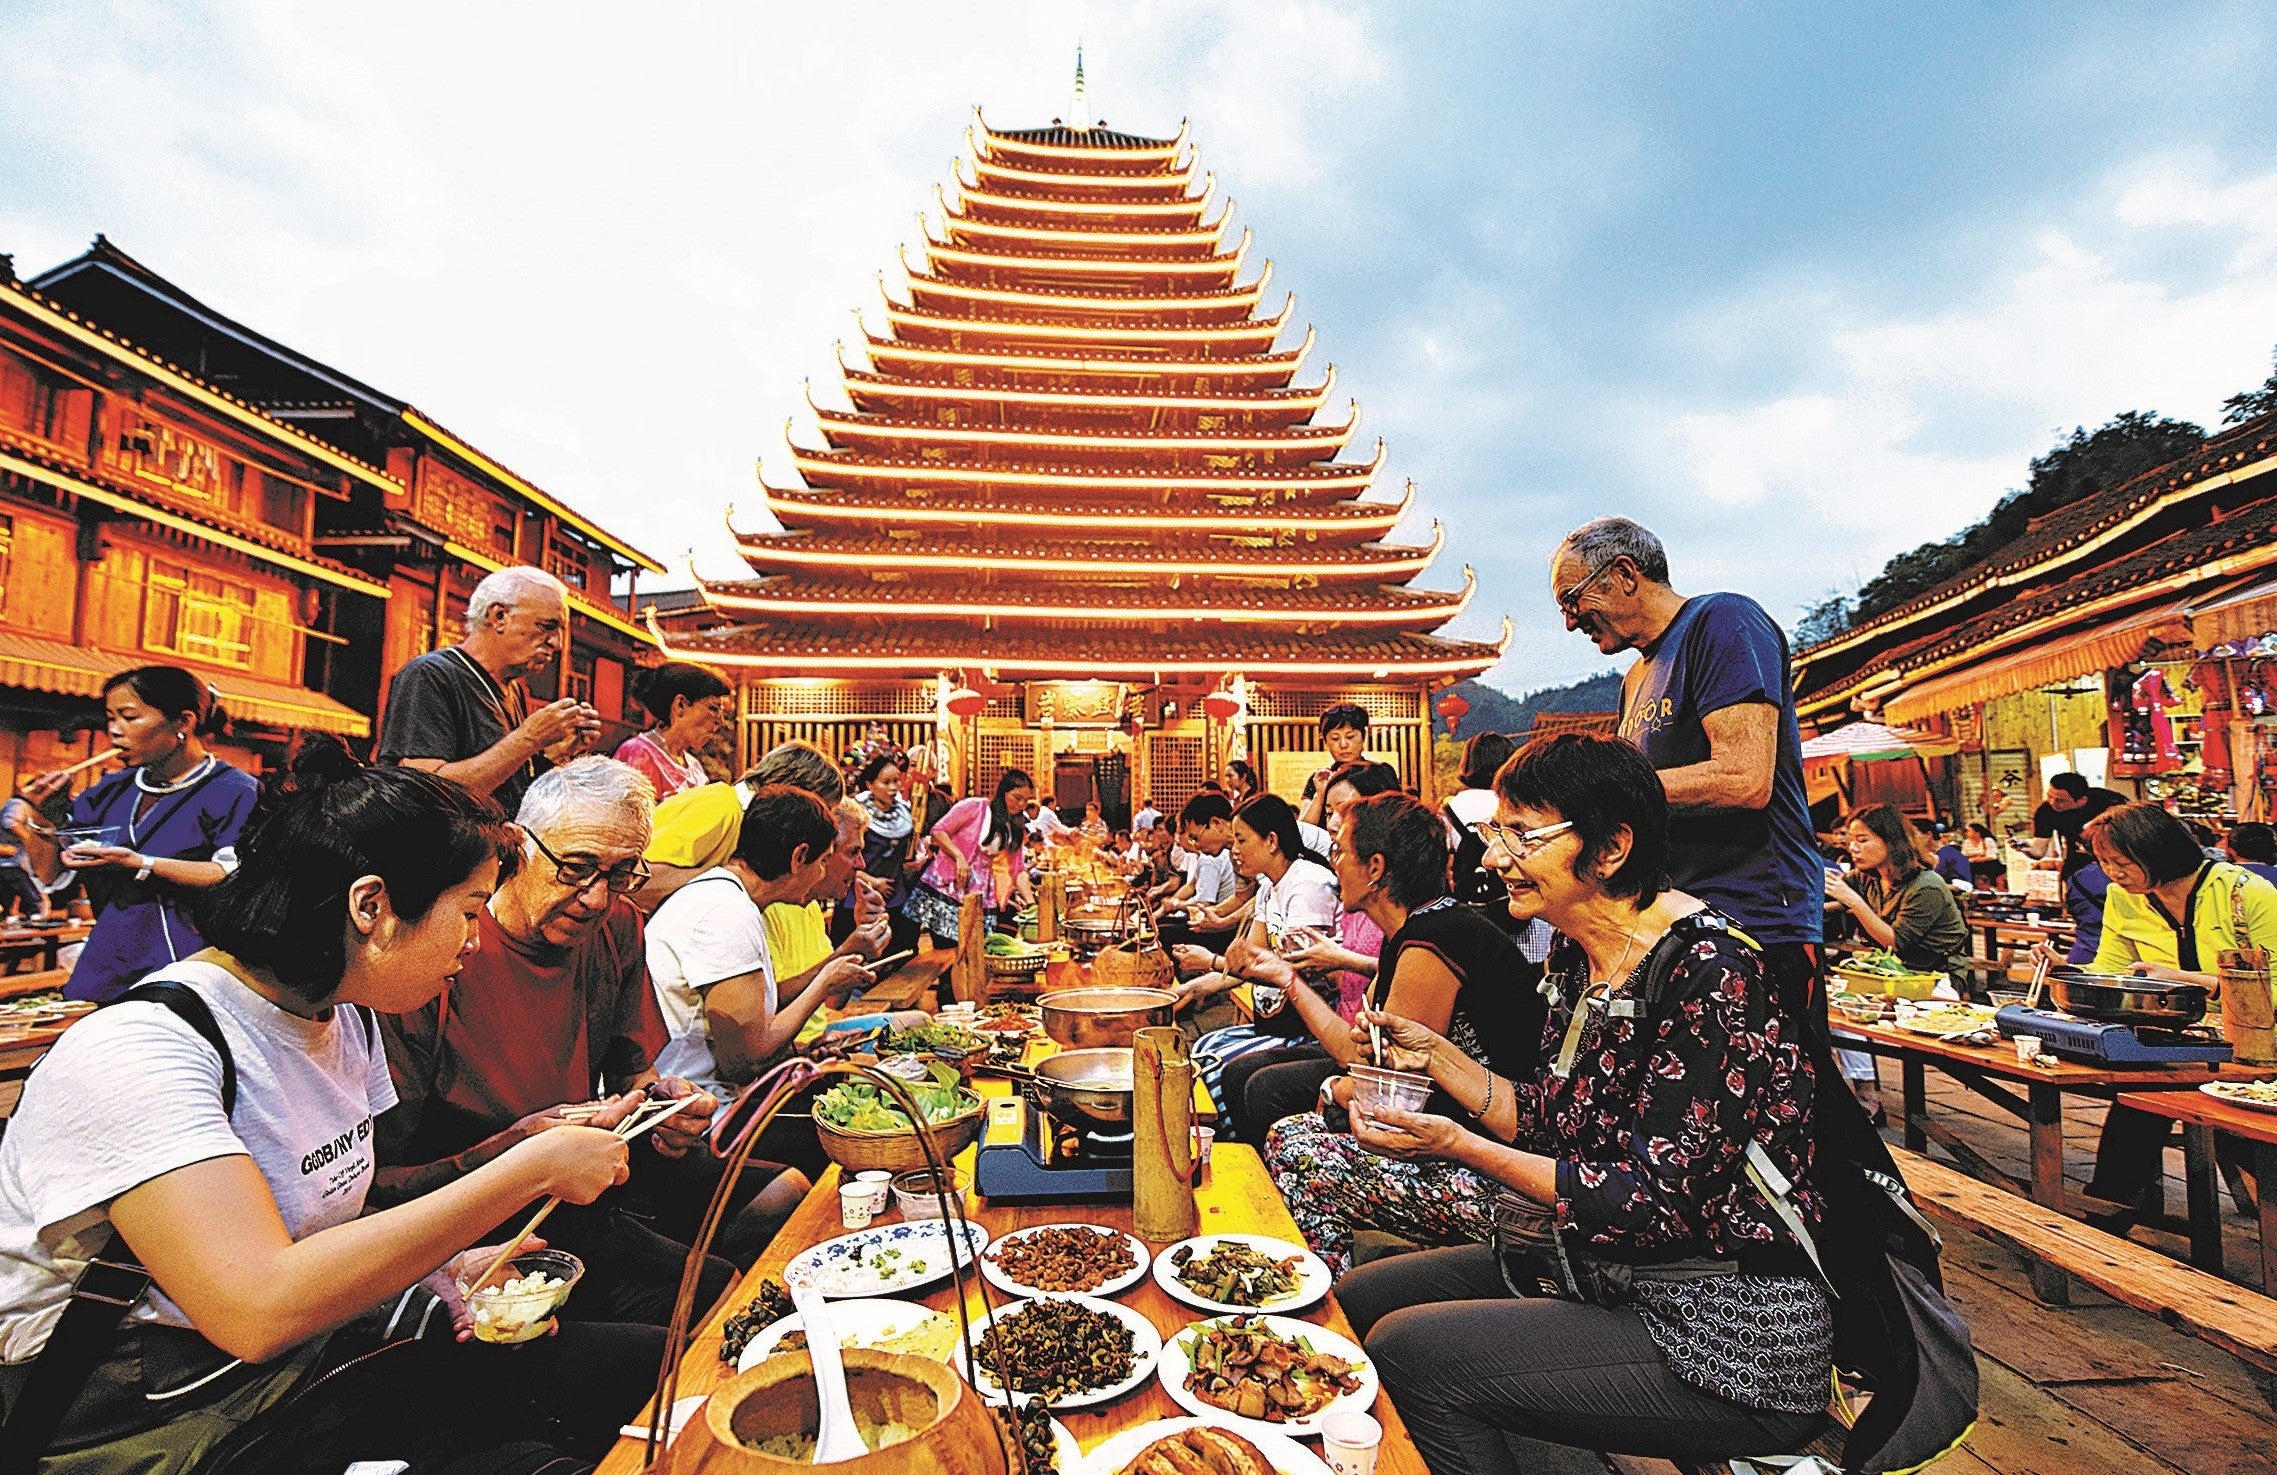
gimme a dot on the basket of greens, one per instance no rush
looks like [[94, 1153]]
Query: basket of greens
[[861, 1127]]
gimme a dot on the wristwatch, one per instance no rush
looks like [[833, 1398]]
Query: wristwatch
[[144, 873]]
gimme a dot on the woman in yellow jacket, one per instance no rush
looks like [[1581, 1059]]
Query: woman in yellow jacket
[[2170, 914]]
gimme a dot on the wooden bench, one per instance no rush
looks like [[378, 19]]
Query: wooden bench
[[2229, 1316]]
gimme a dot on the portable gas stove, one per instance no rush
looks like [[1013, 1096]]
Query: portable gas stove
[[1025, 1157], [2093, 1043]]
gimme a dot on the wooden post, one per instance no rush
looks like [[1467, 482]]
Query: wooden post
[[1162, 1149], [968, 978], [1051, 901]]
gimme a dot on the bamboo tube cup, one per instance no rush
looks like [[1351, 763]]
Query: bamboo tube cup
[[1162, 1149]]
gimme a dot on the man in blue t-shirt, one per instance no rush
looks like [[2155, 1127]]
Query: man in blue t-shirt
[[1712, 705]]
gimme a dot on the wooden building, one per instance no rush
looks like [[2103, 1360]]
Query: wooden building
[[2041, 657], [1076, 484], [422, 518], [147, 515]]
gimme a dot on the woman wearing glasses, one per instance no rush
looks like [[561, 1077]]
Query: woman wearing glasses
[[1444, 964], [1636, 1140]]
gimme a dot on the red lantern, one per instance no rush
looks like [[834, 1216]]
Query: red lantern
[[965, 702], [1454, 708], [1221, 706]]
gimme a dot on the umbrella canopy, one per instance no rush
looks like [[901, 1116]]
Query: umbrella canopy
[[1865, 741]]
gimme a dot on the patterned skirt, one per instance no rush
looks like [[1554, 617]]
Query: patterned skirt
[[935, 911], [1334, 1186]]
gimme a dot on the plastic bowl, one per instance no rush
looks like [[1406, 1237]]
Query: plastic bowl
[[1380, 1088], [507, 1316], [916, 1195]]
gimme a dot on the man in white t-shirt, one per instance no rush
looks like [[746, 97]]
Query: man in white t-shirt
[[708, 955], [1208, 907]]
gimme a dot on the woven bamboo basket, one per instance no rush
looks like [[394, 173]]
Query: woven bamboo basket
[[900, 1151]]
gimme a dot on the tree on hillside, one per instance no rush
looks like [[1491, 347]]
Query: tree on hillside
[[1823, 620], [2132, 443], [2239, 408]]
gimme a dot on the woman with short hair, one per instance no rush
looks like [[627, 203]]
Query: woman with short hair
[[154, 837], [248, 1213], [1669, 1066], [686, 705], [2169, 913], [1444, 965]]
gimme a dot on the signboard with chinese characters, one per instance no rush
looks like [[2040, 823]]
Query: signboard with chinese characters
[[1077, 703]]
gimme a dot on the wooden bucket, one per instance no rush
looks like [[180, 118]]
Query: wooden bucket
[[955, 1432]]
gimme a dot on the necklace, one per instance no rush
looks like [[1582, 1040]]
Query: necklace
[[1614, 976], [197, 771]]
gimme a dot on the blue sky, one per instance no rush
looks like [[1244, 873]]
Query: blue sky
[[1798, 285]]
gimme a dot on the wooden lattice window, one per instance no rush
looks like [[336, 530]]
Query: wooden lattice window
[[1174, 771], [1379, 704], [999, 751], [833, 699], [188, 611]]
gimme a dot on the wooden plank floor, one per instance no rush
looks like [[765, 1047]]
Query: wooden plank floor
[[2094, 1388]]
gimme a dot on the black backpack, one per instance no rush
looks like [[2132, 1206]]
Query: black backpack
[[1895, 1334]]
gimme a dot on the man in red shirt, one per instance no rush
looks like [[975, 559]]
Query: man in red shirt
[[552, 1011]]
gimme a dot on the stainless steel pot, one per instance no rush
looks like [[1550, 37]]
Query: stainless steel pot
[[1089, 1018], [1090, 1088], [2123, 998]]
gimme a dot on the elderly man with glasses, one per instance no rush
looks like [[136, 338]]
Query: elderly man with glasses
[[554, 1012], [1711, 702]]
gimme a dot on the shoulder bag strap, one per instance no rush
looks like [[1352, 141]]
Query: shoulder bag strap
[[109, 1288]]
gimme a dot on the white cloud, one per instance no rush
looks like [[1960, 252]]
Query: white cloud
[[2154, 295], [607, 245]]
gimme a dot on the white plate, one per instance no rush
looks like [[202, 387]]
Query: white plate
[[1173, 1367], [864, 1322], [998, 1278], [835, 1267], [1286, 1456], [1313, 1279], [1146, 1347], [2224, 1091]]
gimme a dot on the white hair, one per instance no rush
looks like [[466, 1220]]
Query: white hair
[[508, 587], [593, 789], [852, 818]]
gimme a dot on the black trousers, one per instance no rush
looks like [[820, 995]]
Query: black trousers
[[1261, 1089], [1470, 1365]]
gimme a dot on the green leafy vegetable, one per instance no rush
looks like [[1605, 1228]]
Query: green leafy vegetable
[[859, 1106]]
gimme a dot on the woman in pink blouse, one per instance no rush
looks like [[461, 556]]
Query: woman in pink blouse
[[965, 844], [687, 705]]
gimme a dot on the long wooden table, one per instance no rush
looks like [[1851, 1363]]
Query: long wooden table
[[1236, 1196], [21, 944], [1992, 1071], [2201, 1117]]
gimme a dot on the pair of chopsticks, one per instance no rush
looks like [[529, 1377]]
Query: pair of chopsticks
[[2041, 961], [645, 1116], [1376, 1044]]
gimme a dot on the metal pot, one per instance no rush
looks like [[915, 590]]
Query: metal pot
[[1086, 1018], [2123, 998], [1087, 1088]]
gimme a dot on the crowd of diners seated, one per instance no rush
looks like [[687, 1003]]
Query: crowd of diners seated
[[438, 981]]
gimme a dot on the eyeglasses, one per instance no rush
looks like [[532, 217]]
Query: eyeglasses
[[1518, 844], [1570, 601], [579, 872]]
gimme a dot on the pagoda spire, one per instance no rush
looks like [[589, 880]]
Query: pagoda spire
[[1079, 117]]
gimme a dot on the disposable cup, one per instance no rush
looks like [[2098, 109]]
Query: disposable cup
[[1399, 1089], [854, 1209], [880, 1184], [2027, 1049], [1204, 1139], [1349, 1439]]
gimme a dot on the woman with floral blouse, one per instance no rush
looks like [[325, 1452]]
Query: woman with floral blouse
[[1698, 1330]]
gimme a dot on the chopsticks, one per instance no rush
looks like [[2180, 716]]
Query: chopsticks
[[1376, 1044], [86, 763], [2041, 961], [644, 1117]]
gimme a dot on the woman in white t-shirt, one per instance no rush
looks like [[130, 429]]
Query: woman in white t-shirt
[[251, 1221], [1294, 892]]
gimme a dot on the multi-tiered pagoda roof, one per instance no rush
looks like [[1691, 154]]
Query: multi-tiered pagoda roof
[[1077, 451]]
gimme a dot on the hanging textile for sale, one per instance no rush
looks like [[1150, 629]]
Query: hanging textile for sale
[[2151, 699], [2211, 680], [2127, 731]]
